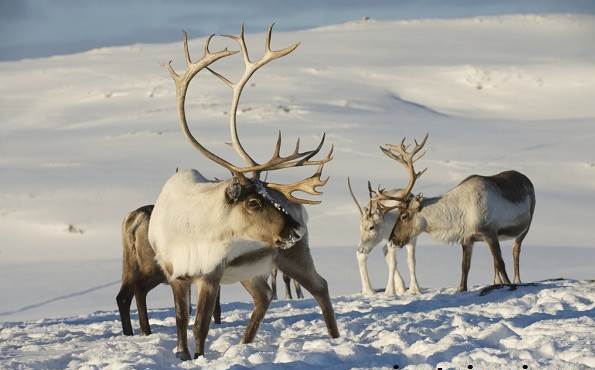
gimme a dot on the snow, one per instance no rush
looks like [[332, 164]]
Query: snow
[[86, 138], [546, 325]]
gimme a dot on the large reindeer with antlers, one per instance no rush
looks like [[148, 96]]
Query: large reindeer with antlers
[[480, 208], [376, 222], [213, 232]]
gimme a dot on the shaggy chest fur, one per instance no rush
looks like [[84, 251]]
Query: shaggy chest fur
[[187, 228], [192, 232]]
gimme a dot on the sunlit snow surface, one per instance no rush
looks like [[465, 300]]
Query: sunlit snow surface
[[545, 326]]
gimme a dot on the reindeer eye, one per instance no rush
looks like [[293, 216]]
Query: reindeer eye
[[254, 203], [371, 228], [404, 216]]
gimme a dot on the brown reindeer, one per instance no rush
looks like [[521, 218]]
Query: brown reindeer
[[140, 272]]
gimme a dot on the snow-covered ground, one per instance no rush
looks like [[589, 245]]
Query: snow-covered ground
[[545, 326], [87, 137]]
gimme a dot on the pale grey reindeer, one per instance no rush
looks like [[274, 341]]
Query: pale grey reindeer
[[376, 222], [480, 208], [140, 271], [235, 230]]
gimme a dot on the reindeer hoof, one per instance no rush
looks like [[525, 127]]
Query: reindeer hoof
[[197, 355], [462, 290], [414, 290], [184, 356], [390, 292]]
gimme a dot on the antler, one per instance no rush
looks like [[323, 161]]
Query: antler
[[377, 197], [307, 185], [406, 158], [183, 80], [361, 212], [297, 158], [249, 69]]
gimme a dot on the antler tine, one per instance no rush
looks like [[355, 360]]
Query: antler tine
[[361, 212], [242, 41], [295, 159], [275, 54], [182, 81], [370, 190]]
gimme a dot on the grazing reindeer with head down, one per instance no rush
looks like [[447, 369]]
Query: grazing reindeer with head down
[[480, 208], [234, 230], [376, 222]]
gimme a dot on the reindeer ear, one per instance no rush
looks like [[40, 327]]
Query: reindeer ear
[[233, 191]]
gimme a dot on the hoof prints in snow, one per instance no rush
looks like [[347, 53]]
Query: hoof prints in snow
[[543, 325]]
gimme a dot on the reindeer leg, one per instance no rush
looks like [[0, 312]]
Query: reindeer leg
[[217, 310], [389, 257], [208, 288], [516, 253], [413, 285], [499, 265], [140, 296], [466, 265], [274, 282], [297, 263], [287, 281], [124, 299], [262, 295], [189, 300], [497, 280], [399, 282], [180, 288], [298, 290], [362, 261]]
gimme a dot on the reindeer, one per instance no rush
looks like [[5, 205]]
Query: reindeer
[[222, 232], [480, 208], [140, 272], [376, 222], [287, 280]]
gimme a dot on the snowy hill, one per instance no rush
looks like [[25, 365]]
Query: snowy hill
[[545, 326]]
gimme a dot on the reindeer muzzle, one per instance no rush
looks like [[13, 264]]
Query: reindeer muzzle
[[292, 239]]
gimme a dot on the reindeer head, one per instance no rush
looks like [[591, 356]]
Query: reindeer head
[[257, 209], [405, 228], [258, 213], [373, 218]]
